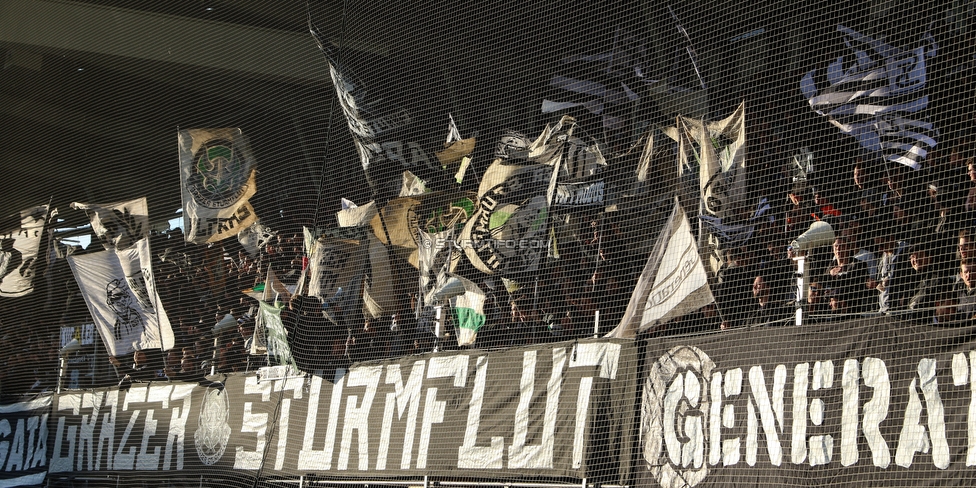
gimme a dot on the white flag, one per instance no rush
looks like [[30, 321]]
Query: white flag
[[117, 225], [120, 292], [336, 269], [217, 174], [19, 245], [721, 158], [276, 345], [673, 282]]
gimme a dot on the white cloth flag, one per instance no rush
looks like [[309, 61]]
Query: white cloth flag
[[673, 282], [120, 292], [276, 345], [117, 225], [877, 95], [19, 245], [721, 158], [217, 174]]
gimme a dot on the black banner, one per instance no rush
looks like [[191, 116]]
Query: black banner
[[557, 410], [873, 401], [24, 442]]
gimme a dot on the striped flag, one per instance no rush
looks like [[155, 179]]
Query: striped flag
[[601, 83], [877, 95]]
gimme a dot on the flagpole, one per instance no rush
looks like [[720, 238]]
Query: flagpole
[[420, 287]]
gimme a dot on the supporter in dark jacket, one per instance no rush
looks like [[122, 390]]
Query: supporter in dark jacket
[[846, 280], [764, 309]]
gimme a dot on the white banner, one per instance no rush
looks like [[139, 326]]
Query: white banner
[[120, 292], [217, 174], [18, 252], [117, 225]]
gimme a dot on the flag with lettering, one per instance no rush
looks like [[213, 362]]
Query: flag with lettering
[[117, 225], [394, 106], [876, 93], [217, 174], [20, 240], [120, 292], [24, 450], [672, 284], [509, 232]]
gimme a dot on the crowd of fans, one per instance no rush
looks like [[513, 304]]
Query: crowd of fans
[[904, 246]]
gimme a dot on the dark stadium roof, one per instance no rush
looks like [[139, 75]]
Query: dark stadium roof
[[92, 93]]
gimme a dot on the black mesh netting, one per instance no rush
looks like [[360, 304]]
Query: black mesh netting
[[504, 243]]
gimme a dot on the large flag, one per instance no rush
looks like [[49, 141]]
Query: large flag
[[716, 151], [120, 292], [877, 94], [509, 232], [394, 106], [398, 222], [673, 282], [609, 84], [19, 245], [217, 174], [718, 148], [604, 84], [379, 291], [379, 295], [117, 225], [336, 274]]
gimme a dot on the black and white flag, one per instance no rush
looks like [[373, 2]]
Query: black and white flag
[[120, 292], [877, 94], [604, 84], [117, 225], [509, 232], [394, 107], [19, 245]]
